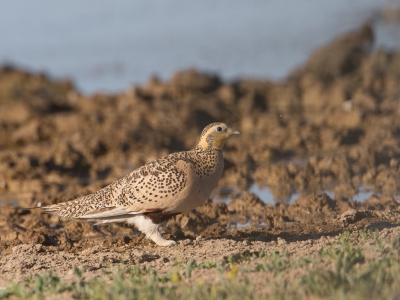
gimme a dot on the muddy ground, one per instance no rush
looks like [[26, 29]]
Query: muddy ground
[[333, 124]]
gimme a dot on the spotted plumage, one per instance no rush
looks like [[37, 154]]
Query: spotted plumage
[[158, 190]]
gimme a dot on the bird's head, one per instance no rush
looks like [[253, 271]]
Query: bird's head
[[215, 135]]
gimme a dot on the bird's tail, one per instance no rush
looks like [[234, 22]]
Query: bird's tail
[[53, 209], [70, 209], [86, 204]]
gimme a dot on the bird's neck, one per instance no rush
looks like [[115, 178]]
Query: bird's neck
[[199, 148], [212, 142]]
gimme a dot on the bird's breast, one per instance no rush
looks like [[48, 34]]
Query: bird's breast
[[200, 185]]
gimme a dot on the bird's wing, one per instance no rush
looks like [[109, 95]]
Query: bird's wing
[[149, 189], [109, 213], [155, 186]]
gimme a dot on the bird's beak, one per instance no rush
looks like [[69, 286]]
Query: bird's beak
[[234, 131]]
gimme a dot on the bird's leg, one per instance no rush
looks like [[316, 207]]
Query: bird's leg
[[151, 230], [157, 238]]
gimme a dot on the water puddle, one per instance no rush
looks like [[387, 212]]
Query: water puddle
[[363, 194], [267, 197], [237, 225], [225, 195], [13, 199]]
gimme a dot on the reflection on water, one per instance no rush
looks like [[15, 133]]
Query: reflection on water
[[240, 225], [364, 194], [267, 197], [13, 199], [224, 195]]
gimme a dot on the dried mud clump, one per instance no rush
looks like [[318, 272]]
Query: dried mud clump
[[332, 126]]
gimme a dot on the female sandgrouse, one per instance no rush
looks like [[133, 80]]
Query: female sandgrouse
[[158, 190]]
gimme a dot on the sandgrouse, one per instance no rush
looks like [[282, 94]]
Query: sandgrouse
[[157, 191]]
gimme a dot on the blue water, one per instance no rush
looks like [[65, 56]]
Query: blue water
[[108, 45], [12, 199], [267, 197]]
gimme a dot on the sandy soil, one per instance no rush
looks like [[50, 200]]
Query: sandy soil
[[335, 128]]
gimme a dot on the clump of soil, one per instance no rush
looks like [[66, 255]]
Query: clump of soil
[[335, 128]]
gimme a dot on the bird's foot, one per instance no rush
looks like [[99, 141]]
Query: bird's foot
[[151, 230], [157, 238], [165, 243]]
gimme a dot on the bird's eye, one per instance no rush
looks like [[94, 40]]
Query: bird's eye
[[219, 128]]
